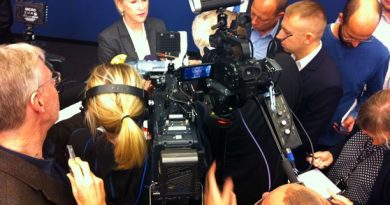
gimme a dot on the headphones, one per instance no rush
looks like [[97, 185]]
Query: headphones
[[115, 88], [274, 45]]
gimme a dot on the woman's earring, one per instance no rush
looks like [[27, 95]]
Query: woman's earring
[[122, 13]]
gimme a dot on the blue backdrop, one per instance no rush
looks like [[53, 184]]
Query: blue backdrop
[[84, 19]]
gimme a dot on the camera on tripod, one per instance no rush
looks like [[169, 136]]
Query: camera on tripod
[[226, 79], [239, 77]]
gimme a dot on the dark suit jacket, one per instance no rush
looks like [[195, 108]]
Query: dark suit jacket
[[116, 40], [24, 183], [320, 94]]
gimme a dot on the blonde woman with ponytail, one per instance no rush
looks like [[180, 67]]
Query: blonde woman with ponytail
[[116, 113], [116, 148]]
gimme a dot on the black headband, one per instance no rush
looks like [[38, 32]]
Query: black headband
[[116, 88]]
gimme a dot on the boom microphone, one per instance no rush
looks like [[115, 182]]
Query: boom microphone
[[198, 6]]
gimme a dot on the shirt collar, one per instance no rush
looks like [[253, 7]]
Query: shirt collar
[[130, 31], [301, 64], [385, 18]]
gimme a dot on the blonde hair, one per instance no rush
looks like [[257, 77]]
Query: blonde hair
[[108, 111], [374, 115], [19, 79], [201, 27], [117, 7], [116, 2], [311, 12]]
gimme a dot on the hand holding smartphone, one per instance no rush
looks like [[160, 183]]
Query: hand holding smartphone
[[87, 189]]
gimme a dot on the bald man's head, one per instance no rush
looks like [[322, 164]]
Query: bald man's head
[[294, 194], [370, 10], [362, 16], [358, 21], [266, 13]]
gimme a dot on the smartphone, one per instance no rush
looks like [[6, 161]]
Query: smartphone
[[71, 153]]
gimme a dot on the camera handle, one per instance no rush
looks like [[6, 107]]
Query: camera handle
[[221, 20]]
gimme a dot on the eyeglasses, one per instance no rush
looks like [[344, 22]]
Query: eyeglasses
[[56, 77], [349, 39], [286, 33]]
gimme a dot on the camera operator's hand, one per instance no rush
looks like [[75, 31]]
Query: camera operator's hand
[[87, 189], [322, 159], [148, 86], [212, 194], [194, 62]]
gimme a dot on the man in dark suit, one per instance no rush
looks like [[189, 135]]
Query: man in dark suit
[[29, 106], [134, 35], [302, 28]]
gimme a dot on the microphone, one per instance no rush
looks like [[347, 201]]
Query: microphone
[[147, 66], [198, 6]]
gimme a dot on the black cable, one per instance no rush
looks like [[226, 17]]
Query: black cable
[[304, 130], [288, 169]]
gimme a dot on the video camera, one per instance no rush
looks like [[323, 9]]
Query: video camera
[[177, 152], [238, 77], [178, 155], [226, 79]]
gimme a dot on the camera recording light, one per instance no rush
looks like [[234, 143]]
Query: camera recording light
[[198, 6]]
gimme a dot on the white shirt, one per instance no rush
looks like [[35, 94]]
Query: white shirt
[[382, 33], [140, 42], [301, 64]]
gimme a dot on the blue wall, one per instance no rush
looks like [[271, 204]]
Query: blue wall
[[84, 19]]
